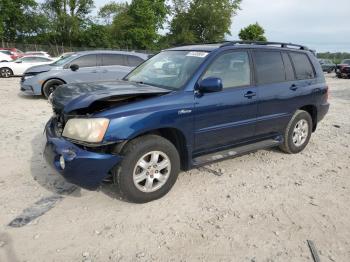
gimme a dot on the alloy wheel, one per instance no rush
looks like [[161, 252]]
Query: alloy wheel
[[152, 171], [5, 72], [300, 132]]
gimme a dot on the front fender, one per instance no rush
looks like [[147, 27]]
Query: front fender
[[129, 127]]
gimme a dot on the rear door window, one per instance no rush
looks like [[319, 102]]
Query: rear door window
[[113, 59], [288, 67], [134, 60], [85, 61], [269, 67], [302, 65]]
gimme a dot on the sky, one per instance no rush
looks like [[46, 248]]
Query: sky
[[322, 25]]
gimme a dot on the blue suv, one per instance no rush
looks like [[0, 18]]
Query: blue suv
[[183, 108]]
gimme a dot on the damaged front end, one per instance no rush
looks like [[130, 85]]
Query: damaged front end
[[84, 163], [77, 164], [89, 99]]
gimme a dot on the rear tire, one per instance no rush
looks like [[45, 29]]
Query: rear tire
[[142, 178], [6, 72], [297, 133], [51, 86]]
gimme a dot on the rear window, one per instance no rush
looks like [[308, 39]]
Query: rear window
[[113, 59], [302, 65], [269, 67]]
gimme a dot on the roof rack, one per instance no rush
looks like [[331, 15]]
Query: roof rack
[[283, 45]]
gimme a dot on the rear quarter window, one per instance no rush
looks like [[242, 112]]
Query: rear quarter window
[[134, 60], [269, 67], [302, 65]]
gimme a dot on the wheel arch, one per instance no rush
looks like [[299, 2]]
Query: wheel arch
[[175, 136], [312, 110], [1, 67], [53, 78]]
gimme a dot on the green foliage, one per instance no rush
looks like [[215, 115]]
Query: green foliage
[[67, 18], [95, 36], [16, 17], [109, 11], [134, 26], [201, 20], [253, 32], [138, 25], [117, 25]]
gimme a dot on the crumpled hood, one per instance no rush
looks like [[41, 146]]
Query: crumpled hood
[[39, 69], [71, 97]]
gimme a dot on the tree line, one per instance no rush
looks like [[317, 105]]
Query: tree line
[[142, 24], [335, 57]]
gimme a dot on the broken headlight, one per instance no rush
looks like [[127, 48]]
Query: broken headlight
[[90, 130]]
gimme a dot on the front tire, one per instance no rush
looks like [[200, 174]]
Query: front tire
[[149, 169], [6, 72], [51, 86], [297, 133]]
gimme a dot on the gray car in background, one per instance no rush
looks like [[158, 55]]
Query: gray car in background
[[80, 67], [327, 65]]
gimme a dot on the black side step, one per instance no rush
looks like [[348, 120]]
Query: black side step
[[236, 151]]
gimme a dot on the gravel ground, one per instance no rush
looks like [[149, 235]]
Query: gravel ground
[[263, 208]]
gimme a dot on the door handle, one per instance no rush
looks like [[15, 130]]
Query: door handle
[[249, 94], [293, 87]]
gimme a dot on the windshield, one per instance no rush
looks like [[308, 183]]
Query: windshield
[[168, 69], [346, 61], [64, 60]]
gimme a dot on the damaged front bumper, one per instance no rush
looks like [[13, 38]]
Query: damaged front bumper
[[81, 167]]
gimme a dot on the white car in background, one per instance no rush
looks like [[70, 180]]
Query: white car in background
[[18, 66], [37, 53], [4, 57]]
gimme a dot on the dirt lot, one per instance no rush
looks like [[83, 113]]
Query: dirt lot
[[263, 208]]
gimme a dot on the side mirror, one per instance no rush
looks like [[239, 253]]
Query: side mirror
[[210, 85], [74, 67]]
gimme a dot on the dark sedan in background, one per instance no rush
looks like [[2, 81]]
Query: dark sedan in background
[[343, 69]]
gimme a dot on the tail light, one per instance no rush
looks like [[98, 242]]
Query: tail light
[[327, 93]]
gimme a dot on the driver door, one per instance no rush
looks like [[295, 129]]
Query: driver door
[[88, 70], [227, 117]]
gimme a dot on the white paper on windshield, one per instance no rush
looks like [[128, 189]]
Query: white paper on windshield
[[197, 54]]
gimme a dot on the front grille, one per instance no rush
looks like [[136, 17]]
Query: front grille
[[59, 124]]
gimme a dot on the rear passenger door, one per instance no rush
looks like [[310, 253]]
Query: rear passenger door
[[114, 66], [281, 88]]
